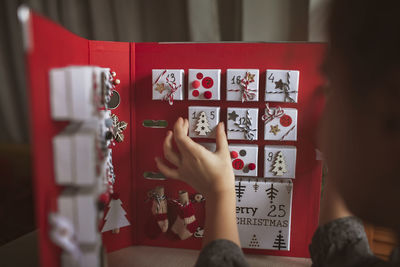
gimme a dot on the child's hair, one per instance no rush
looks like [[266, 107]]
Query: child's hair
[[365, 36]]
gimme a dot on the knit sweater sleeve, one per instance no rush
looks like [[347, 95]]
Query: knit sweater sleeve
[[223, 253], [342, 242]]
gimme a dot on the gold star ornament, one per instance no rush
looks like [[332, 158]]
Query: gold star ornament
[[274, 129], [160, 87], [250, 77]]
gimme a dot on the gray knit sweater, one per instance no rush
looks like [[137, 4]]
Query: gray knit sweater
[[340, 243]]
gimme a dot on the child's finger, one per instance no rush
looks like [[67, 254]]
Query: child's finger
[[167, 171], [185, 143], [169, 152], [222, 142], [186, 126]]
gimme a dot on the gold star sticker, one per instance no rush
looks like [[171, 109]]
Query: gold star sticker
[[160, 87], [250, 77], [274, 129]]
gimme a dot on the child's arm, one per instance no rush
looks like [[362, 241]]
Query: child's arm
[[332, 204], [209, 173]]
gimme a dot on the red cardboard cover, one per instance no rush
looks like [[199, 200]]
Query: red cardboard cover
[[52, 47]]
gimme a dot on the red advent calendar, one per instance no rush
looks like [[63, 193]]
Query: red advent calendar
[[100, 111]]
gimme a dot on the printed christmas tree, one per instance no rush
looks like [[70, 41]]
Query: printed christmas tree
[[202, 126], [279, 242], [115, 217], [239, 190], [279, 166], [254, 242], [272, 192], [255, 186]]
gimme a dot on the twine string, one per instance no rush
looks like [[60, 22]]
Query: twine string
[[271, 113], [247, 93]]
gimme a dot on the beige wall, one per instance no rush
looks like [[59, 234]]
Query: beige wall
[[275, 20]]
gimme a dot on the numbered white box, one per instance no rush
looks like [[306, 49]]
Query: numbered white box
[[75, 92], [203, 121], [282, 86], [244, 159], [279, 161], [75, 156], [263, 211], [204, 84], [168, 84], [280, 124], [242, 84], [242, 123]]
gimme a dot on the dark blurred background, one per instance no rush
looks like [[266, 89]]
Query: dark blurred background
[[127, 21]]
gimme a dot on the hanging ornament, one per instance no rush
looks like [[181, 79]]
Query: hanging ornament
[[115, 218], [118, 128], [185, 224], [62, 233]]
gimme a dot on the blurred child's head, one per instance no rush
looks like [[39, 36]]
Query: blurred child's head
[[361, 124]]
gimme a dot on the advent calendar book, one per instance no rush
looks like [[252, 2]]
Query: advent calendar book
[[99, 114]]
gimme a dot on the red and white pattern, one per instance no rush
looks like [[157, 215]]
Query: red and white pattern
[[185, 224]]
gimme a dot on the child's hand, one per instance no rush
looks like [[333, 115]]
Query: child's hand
[[209, 173]]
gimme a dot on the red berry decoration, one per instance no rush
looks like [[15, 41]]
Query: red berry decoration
[[199, 75], [285, 120], [208, 95], [196, 84], [195, 93], [104, 198], [252, 166], [207, 82], [237, 164], [234, 154]]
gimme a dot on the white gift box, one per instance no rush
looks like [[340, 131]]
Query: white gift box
[[242, 123], [80, 208], [75, 156], [76, 92], [279, 161], [242, 81], [282, 85], [244, 159], [263, 211], [204, 84], [203, 121], [166, 80], [282, 127]]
